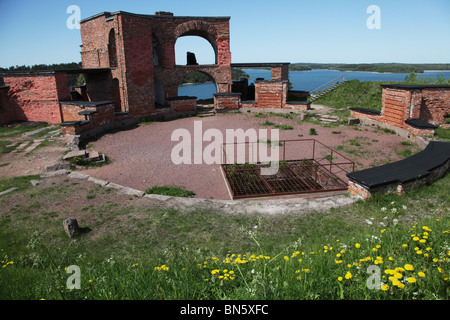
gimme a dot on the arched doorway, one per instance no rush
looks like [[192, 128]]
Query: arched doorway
[[199, 84]]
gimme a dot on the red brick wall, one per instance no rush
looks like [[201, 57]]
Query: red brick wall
[[270, 94], [36, 96], [137, 39], [280, 73], [7, 107], [70, 112], [395, 106], [435, 105], [227, 101], [428, 104], [188, 104]]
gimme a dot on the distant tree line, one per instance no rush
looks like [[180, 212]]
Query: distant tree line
[[200, 77], [371, 67], [73, 79]]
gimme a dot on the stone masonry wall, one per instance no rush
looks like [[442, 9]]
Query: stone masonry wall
[[36, 96], [271, 94], [145, 50]]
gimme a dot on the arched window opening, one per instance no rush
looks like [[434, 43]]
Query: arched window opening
[[204, 51], [112, 51], [155, 50]]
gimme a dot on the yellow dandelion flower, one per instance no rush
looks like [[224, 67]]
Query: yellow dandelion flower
[[404, 245], [286, 258], [357, 246], [340, 278], [385, 287], [348, 275], [421, 274], [412, 280], [409, 267], [398, 275], [419, 251]]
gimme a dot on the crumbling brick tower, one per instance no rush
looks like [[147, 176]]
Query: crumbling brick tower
[[140, 51]]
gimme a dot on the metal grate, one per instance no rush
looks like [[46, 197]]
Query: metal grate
[[324, 170]]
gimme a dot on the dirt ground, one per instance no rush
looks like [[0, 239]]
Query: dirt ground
[[141, 157]]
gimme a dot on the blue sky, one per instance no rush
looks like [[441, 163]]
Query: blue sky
[[413, 31]]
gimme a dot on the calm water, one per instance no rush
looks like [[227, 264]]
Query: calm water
[[307, 80]]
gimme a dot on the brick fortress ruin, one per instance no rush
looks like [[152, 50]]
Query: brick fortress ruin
[[128, 63]]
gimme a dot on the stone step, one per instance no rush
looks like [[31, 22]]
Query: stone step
[[75, 153]]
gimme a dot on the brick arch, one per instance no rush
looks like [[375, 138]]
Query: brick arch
[[213, 74], [201, 29]]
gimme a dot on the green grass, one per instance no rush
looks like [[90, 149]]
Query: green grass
[[284, 127], [14, 131], [268, 123], [443, 134], [150, 252], [20, 182], [354, 93], [170, 191]]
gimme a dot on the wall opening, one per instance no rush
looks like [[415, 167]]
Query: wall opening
[[203, 49], [198, 84], [112, 51], [158, 92]]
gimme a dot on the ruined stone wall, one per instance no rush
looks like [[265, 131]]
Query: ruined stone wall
[[36, 96], [227, 101], [144, 53], [395, 106], [7, 107], [435, 105], [271, 94], [280, 72]]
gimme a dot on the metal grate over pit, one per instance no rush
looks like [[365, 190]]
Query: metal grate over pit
[[321, 172]]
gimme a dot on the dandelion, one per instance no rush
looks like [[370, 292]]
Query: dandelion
[[421, 274], [409, 267], [357, 246], [398, 275], [412, 280], [348, 275], [385, 287], [286, 258], [340, 278]]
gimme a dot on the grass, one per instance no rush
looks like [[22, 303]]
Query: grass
[[17, 130], [173, 191], [22, 183], [284, 127], [354, 93], [161, 253], [442, 133]]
